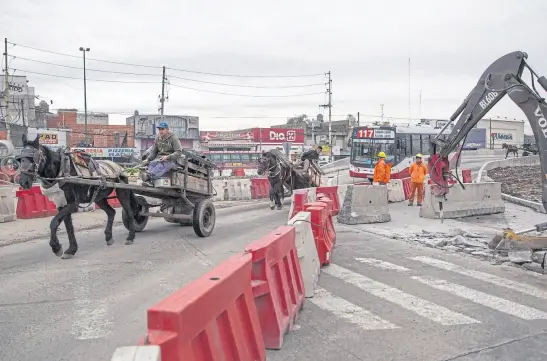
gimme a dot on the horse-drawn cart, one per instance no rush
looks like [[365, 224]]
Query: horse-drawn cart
[[184, 195]]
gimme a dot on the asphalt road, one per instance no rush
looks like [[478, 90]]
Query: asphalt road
[[383, 299], [83, 308]]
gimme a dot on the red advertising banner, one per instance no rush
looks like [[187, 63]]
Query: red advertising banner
[[278, 135], [225, 136]]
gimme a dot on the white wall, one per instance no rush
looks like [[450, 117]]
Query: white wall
[[510, 132], [61, 136]]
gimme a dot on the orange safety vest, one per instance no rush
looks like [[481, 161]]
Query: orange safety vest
[[417, 172], [380, 171]]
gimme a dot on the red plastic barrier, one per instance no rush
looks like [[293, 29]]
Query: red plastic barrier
[[238, 172], [32, 203], [330, 232], [406, 187], [466, 175], [51, 208], [300, 197], [277, 281], [260, 188], [321, 232], [213, 318], [332, 193]]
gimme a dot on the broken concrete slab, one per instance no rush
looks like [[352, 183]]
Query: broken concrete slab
[[466, 242], [520, 256], [538, 256]]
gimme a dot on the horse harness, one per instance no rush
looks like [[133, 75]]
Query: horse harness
[[77, 160]]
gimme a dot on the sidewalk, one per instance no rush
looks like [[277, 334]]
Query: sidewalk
[[24, 230]]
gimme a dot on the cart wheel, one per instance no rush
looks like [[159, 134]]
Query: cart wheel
[[139, 222], [204, 218]]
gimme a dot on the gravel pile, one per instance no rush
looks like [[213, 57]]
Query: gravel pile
[[521, 182]]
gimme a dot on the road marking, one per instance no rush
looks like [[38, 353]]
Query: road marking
[[382, 264], [496, 303], [486, 277], [90, 317], [348, 311], [422, 307]]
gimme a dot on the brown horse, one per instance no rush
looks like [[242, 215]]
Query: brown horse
[[510, 149]]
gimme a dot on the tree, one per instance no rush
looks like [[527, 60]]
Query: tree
[[299, 121]]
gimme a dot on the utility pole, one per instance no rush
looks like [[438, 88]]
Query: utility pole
[[6, 89], [84, 50], [329, 105], [358, 120], [162, 100], [382, 113], [23, 111]]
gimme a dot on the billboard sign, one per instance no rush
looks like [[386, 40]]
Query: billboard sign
[[49, 138], [476, 139], [107, 152], [206, 136], [278, 135]]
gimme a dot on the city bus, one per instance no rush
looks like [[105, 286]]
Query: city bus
[[399, 143]]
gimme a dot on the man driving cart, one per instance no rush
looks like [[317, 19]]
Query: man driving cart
[[167, 147]]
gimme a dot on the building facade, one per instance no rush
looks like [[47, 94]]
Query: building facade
[[185, 127], [501, 131], [20, 109]]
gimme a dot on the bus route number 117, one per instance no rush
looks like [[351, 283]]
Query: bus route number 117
[[365, 133]]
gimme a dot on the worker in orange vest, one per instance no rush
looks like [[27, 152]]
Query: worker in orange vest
[[382, 171], [417, 171]]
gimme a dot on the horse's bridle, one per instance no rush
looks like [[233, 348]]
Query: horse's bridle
[[37, 157], [270, 175]]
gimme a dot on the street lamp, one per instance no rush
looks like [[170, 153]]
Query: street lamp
[[84, 50]]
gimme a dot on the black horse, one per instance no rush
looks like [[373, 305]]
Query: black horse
[[38, 162], [279, 174], [510, 149]]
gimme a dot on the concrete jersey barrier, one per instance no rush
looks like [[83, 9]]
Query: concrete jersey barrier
[[363, 204], [475, 200], [7, 205]]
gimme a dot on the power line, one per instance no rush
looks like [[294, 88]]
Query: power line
[[172, 76], [76, 78], [175, 85], [248, 86], [174, 69], [246, 95], [74, 56], [80, 68], [248, 76]]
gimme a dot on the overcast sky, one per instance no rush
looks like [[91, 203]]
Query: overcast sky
[[365, 44]]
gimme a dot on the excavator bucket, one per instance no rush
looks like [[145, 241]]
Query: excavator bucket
[[510, 240]]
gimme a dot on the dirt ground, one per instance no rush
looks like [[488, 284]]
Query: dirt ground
[[522, 182]]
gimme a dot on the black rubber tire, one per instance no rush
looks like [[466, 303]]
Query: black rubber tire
[[139, 222], [204, 218]]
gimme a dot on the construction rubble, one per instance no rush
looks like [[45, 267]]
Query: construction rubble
[[461, 241]]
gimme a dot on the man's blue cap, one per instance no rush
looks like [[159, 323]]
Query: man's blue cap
[[163, 125]]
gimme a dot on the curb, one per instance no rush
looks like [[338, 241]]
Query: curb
[[237, 208], [538, 207]]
